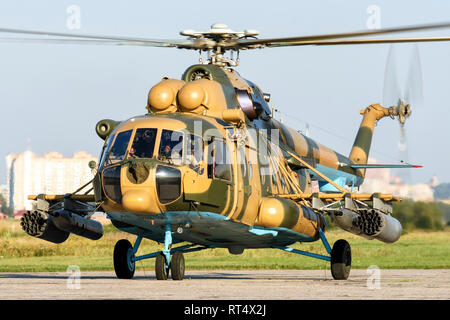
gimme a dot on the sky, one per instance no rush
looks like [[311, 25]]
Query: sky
[[51, 96]]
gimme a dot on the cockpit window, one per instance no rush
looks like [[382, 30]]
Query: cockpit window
[[119, 147], [143, 143], [106, 148], [171, 147]]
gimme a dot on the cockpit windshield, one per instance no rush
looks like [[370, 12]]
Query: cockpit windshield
[[117, 152], [171, 147], [143, 143]]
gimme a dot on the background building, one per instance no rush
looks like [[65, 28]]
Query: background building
[[52, 174], [382, 180]]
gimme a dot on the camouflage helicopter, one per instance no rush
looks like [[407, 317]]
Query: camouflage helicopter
[[208, 166]]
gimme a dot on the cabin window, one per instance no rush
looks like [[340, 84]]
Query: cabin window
[[243, 162], [194, 152], [171, 147], [119, 148], [143, 143], [219, 165], [222, 164]]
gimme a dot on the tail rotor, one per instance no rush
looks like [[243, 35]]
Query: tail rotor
[[401, 98]]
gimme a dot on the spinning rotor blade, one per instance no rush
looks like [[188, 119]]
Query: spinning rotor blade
[[414, 84], [322, 39], [413, 95], [402, 97], [94, 39], [229, 40], [402, 142], [391, 89], [58, 41], [366, 41]]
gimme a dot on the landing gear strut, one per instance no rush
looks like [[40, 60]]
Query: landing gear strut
[[169, 260], [340, 256]]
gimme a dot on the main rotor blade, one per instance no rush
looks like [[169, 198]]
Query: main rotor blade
[[360, 41], [58, 41], [298, 40], [122, 40]]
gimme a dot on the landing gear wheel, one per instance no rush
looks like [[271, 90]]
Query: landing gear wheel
[[162, 273], [123, 264], [177, 266], [341, 260]]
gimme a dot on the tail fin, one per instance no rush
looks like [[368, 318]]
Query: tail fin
[[363, 140]]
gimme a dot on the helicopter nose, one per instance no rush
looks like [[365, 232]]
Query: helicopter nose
[[137, 200]]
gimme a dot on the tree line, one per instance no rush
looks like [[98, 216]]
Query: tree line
[[421, 215], [4, 208]]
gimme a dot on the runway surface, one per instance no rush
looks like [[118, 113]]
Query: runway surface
[[229, 285]]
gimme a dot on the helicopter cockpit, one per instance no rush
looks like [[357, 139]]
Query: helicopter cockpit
[[145, 158], [170, 147]]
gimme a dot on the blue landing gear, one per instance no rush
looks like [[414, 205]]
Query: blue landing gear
[[340, 256], [161, 267], [168, 260]]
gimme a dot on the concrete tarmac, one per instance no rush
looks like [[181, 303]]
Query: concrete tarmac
[[230, 285]]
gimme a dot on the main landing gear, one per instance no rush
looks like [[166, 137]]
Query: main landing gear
[[171, 260], [167, 261], [340, 256]]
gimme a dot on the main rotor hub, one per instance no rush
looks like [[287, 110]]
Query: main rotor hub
[[218, 32], [217, 41]]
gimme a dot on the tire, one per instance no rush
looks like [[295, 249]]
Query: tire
[[162, 273], [123, 266], [341, 260], [177, 266]]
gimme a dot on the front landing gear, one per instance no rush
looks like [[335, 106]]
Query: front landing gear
[[169, 260], [161, 268], [177, 266]]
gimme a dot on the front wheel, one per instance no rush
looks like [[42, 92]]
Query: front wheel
[[124, 266], [161, 269], [177, 266], [341, 260]]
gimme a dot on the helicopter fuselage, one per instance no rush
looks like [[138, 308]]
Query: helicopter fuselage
[[210, 160]]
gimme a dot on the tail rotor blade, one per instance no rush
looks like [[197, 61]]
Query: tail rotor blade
[[391, 88], [414, 85], [402, 142]]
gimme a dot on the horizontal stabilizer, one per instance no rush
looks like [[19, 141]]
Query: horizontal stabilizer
[[381, 166]]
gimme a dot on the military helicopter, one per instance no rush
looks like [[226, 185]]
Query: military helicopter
[[208, 166]]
